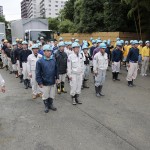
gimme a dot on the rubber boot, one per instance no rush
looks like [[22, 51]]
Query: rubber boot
[[73, 100], [100, 90], [116, 76], [97, 91], [58, 88], [46, 106], [113, 76], [77, 99], [29, 83], [21, 78], [50, 104], [130, 84], [26, 83], [6, 67], [62, 87], [85, 85]]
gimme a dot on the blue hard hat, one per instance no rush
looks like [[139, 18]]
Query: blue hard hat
[[60, 39], [14, 43], [104, 41], [84, 47], [146, 42], [61, 44], [37, 41], [75, 44], [135, 42], [93, 41], [35, 46], [99, 38], [69, 43], [25, 43], [118, 43], [117, 39], [103, 45], [76, 40], [47, 47], [39, 44], [131, 41], [141, 42], [98, 41], [126, 42], [66, 43], [108, 42], [122, 41]]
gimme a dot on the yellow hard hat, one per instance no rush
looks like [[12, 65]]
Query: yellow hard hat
[[5, 41], [17, 39], [20, 40]]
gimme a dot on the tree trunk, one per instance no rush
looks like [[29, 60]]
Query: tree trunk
[[139, 21], [136, 26]]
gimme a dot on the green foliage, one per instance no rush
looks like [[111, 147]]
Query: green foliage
[[53, 24], [66, 26], [103, 15]]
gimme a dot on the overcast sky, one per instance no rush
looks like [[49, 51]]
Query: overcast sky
[[11, 9]]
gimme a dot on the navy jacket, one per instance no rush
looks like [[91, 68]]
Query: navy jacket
[[133, 54], [24, 55], [117, 55], [92, 50], [46, 71], [61, 59]]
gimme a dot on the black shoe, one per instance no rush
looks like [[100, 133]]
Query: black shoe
[[46, 106], [50, 104], [10, 72]]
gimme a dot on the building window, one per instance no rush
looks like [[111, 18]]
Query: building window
[[56, 1], [50, 1], [56, 5], [50, 9], [62, 5], [56, 9], [49, 13], [49, 5], [56, 14], [62, 2]]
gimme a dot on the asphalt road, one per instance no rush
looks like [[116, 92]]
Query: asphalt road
[[118, 121]]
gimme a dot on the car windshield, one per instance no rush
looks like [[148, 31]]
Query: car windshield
[[47, 35]]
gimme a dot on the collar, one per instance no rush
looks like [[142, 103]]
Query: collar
[[51, 57]]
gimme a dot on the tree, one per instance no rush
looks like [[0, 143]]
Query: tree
[[90, 15], [66, 26], [69, 10], [53, 24], [139, 11], [115, 18]]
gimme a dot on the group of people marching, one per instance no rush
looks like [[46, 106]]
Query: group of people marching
[[45, 66]]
